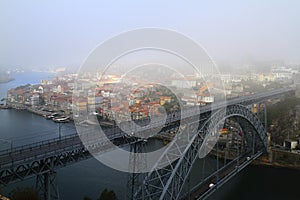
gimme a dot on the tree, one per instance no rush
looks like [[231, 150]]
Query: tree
[[107, 195], [282, 119], [25, 194]]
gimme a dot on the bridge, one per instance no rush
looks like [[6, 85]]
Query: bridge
[[42, 159]]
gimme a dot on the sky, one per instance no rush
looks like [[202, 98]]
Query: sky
[[63, 32]]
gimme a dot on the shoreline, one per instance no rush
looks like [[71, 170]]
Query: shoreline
[[6, 81], [43, 112], [263, 161], [275, 165]]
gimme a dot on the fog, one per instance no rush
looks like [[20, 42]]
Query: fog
[[38, 34]]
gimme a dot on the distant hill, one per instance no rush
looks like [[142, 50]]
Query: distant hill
[[5, 78]]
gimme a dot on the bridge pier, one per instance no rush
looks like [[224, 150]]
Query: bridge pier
[[47, 186], [136, 161]]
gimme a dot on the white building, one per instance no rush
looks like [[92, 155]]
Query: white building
[[206, 98], [290, 144], [35, 99], [283, 72]]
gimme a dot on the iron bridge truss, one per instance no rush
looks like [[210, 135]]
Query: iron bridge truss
[[168, 182]]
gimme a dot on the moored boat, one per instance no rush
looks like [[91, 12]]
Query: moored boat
[[61, 119]]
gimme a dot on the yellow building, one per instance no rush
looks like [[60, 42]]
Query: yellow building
[[80, 105], [165, 99]]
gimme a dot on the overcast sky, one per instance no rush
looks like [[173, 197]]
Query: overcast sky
[[62, 33]]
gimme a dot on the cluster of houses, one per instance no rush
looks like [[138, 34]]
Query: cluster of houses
[[112, 99], [118, 100], [55, 94]]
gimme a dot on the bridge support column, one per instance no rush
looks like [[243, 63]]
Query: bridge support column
[[262, 114], [135, 162], [47, 186], [253, 143]]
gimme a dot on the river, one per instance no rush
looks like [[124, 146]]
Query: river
[[90, 177]]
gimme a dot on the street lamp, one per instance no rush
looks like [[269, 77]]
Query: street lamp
[[59, 130]]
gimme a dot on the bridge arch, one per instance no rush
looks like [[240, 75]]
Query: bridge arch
[[168, 183], [244, 116]]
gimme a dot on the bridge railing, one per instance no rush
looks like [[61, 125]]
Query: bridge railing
[[35, 144]]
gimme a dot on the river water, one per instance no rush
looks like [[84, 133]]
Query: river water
[[90, 177]]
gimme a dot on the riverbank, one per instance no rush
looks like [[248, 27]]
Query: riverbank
[[56, 116], [6, 80], [275, 165], [2, 106], [280, 159], [39, 112], [275, 158]]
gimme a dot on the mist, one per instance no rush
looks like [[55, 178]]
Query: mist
[[49, 34]]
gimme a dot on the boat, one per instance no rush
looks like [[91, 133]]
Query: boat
[[88, 122], [2, 106], [51, 116], [61, 119]]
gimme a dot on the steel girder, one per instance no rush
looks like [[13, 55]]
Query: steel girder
[[168, 182], [46, 185], [41, 166]]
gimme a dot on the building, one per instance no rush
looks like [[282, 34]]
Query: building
[[165, 99], [80, 106], [63, 102], [206, 98], [43, 82], [139, 112], [266, 77], [35, 99], [282, 73], [18, 96], [91, 104], [290, 144], [190, 101]]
